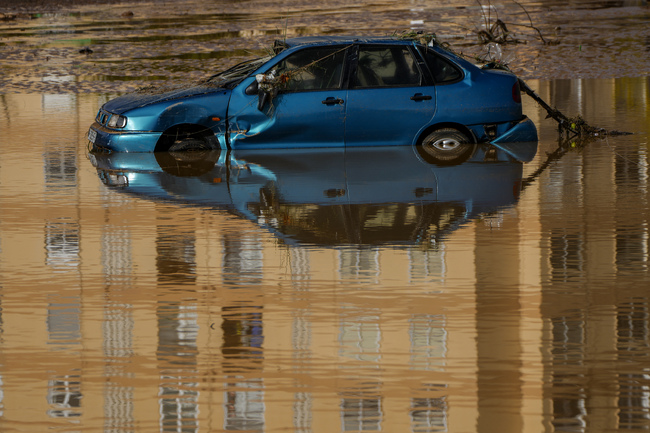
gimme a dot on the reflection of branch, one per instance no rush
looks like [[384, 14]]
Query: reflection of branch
[[563, 147], [553, 156]]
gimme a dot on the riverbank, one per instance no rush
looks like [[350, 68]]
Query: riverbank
[[35, 6], [108, 46]]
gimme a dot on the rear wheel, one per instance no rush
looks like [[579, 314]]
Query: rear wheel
[[446, 146]]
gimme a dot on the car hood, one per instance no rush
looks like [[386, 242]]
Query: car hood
[[144, 97]]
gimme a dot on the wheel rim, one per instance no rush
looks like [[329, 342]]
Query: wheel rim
[[446, 146]]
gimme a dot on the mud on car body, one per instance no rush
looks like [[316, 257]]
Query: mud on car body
[[327, 92]]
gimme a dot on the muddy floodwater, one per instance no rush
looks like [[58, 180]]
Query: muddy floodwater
[[327, 290]]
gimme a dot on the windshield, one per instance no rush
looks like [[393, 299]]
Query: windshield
[[233, 76]]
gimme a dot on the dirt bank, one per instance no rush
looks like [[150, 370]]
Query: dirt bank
[[108, 46], [29, 6]]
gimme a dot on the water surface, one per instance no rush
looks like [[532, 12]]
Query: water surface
[[264, 295], [322, 290]]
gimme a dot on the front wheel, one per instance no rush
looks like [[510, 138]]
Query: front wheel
[[446, 146], [190, 144], [188, 164]]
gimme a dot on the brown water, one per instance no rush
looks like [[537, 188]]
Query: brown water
[[214, 302]]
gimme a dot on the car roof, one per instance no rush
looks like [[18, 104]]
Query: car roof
[[281, 45]]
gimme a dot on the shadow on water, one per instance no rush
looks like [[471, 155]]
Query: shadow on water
[[328, 197]]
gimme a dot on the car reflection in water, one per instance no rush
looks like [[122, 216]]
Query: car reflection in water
[[328, 197]]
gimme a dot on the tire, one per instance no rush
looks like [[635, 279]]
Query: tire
[[190, 145], [446, 146]]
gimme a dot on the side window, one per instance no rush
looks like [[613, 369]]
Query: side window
[[442, 69], [386, 67], [311, 69]]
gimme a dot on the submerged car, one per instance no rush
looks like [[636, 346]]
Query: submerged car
[[328, 91]]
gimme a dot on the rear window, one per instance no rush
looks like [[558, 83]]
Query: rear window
[[443, 71]]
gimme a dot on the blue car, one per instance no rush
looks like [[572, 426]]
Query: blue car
[[327, 91]]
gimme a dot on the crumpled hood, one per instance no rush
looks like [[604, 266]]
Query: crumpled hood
[[146, 97]]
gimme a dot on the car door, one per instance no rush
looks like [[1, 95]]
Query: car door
[[387, 101], [305, 105]]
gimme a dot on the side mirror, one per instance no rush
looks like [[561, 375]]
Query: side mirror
[[253, 88], [262, 88], [263, 98]]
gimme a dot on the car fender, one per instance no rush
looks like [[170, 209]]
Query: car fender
[[184, 112]]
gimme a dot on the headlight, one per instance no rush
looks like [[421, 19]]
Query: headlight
[[116, 121]]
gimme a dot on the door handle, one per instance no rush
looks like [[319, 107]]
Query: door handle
[[332, 100], [420, 97], [334, 192]]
